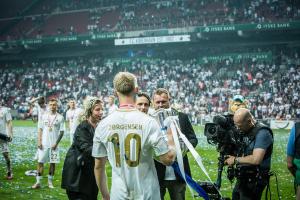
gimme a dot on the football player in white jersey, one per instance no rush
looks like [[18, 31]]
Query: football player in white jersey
[[40, 104], [72, 117], [111, 106], [128, 138], [51, 130], [6, 129]]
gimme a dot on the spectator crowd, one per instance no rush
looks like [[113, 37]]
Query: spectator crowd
[[271, 87], [57, 17]]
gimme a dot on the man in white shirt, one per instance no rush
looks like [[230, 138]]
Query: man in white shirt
[[34, 114], [6, 129], [72, 117], [128, 138], [111, 105], [51, 130], [40, 104]]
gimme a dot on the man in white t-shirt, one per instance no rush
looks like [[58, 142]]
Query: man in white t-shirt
[[128, 138], [34, 114], [40, 105], [72, 117], [51, 130], [6, 129], [111, 105]]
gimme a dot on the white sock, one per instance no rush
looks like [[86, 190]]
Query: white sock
[[38, 179], [50, 179]]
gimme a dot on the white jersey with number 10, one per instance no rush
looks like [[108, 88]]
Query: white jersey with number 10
[[130, 138]]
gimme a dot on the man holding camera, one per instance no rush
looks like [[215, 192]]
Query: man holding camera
[[252, 169]]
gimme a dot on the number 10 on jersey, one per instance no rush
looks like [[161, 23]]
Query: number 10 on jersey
[[128, 147]]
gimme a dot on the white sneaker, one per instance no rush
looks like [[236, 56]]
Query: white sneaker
[[50, 185], [36, 186]]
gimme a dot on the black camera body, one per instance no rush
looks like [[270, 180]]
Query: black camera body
[[223, 133], [228, 140]]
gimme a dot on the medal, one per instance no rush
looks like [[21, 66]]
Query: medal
[[73, 116], [50, 126]]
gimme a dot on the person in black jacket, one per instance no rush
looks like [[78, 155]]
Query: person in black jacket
[[168, 179], [78, 171]]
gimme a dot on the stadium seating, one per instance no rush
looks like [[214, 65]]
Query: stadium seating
[[200, 89], [55, 16]]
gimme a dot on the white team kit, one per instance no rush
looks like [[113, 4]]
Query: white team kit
[[5, 116], [112, 108], [51, 125], [40, 111], [129, 138], [72, 116]]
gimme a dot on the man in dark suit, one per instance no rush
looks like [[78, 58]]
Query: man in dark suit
[[168, 179]]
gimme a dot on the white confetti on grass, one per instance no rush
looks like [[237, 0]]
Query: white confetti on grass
[[24, 146]]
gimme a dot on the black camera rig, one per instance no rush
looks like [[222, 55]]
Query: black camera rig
[[223, 133], [229, 141]]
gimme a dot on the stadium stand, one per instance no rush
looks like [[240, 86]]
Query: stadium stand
[[201, 87], [49, 17], [273, 89]]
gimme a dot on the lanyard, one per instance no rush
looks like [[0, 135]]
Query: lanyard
[[51, 123], [73, 114]]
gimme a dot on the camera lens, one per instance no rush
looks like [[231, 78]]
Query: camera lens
[[212, 130]]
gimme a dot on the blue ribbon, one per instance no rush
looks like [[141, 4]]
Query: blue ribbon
[[193, 184]]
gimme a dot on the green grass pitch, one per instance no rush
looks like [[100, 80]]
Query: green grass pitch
[[24, 145]]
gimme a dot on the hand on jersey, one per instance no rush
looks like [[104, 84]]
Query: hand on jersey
[[54, 147], [40, 146]]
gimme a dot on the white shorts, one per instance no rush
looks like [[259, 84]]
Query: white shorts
[[48, 156], [4, 146], [71, 136]]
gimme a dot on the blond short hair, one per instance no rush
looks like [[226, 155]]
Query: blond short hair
[[125, 83]]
